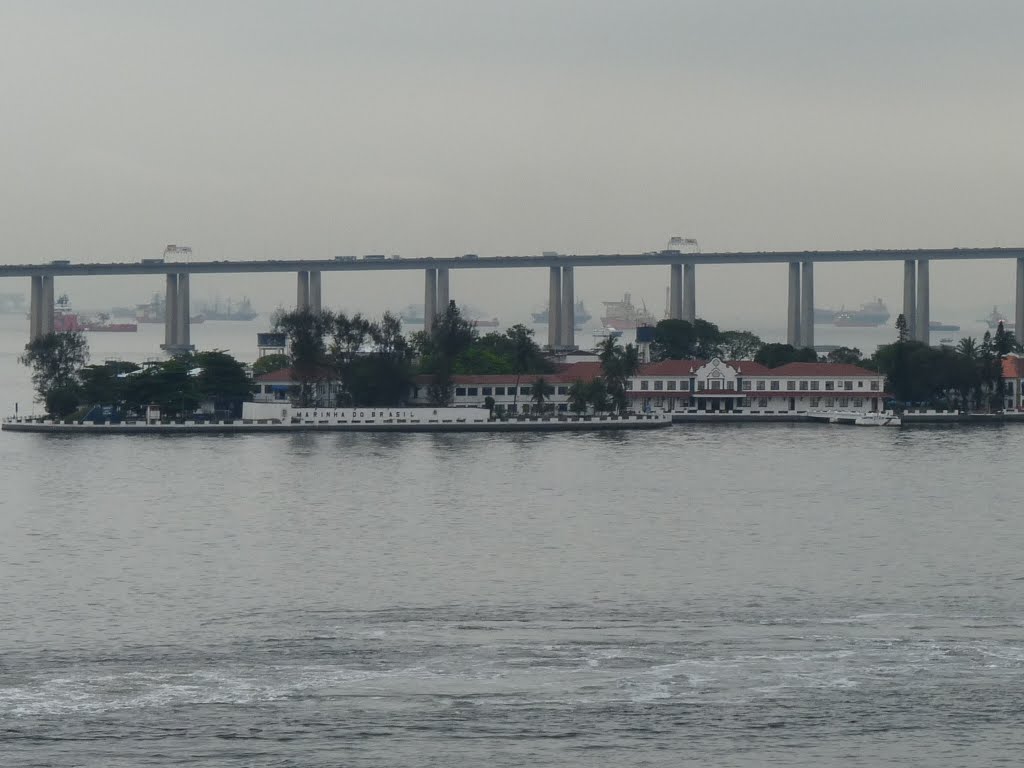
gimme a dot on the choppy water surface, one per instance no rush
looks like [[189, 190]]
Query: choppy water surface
[[786, 595]]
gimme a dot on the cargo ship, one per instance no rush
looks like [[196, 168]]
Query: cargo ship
[[997, 317], [216, 311], [412, 314], [824, 315], [154, 312], [870, 314], [938, 325], [580, 315], [623, 315], [101, 324]]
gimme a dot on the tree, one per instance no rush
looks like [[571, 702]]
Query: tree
[[269, 364], [221, 380], [489, 405], [579, 397], [902, 334], [618, 365], [540, 391], [597, 395], [774, 355], [848, 355], [307, 348], [740, 345], [57, 360], [451, 336], [673, 340]]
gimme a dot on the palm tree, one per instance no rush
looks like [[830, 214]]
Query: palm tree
[[541, 390], [968, 347], [578, 397]]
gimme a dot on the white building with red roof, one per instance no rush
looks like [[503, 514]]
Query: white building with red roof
[[1013, 379]]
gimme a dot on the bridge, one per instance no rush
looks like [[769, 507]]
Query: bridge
[[561, 298]]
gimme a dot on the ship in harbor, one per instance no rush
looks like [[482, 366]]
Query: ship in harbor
[[228, 310], [155, 312], [413, 313], [624, 315], [580, 315], [938, 325], [66, 320], [870, 315], [824, 315], [996, 317]]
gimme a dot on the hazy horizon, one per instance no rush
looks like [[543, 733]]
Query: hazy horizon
[[314, 129]]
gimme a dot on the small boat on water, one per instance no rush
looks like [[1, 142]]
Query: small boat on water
[[859, 419]]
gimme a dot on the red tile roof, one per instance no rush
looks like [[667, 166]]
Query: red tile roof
[[683, 368], [1013, 367]]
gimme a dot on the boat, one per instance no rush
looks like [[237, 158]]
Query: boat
[[947, 340], [824, 315], [154, 312], [870, 314], [624, 315], [65, 320], [101, 324], [997, 317], [862, 419], [607, 332], [580, 315], [216, 311], [492, 323], [938, 325]]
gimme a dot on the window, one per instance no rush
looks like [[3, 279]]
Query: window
[[848, 386], [815, 402], [630, 385], [745, 402], [844, 402], [486, 391], [643, 385], [860, 385], [775, 386], [790, 386], [659, 385], [563, 389], [460, 391], [874, 385], [760, 385], [814, 386], [700, 386], [525, 390], [762, 402], [670, 385], [499, 390], [472, 392], [730, 386], [684, 386], [829, 386], [830, 402], [858, 402], [746, 385], [803, 386]]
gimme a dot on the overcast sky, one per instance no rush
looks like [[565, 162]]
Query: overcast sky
[[312, 129]]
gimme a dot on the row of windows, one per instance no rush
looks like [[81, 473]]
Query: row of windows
[[562, 389], [775, 385]]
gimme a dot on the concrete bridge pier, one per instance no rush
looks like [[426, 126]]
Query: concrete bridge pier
[[430, 300], [793, 337], [46, 320], [171, 313], [807, 305], [910, 297], [568, 320], [690, 293], [675, 292], [35, 308], [302, 291], [183, 315], [315, 303], [1018, 318], [443, 290], [923, 296], [554, 306]]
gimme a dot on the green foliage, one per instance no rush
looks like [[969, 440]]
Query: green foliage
[[579, 396], [57, 360], [269, 364], [539, 392], [848, 355], [774, 355], [62, 401], [618, 365], [307, 348], [680, 340]]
